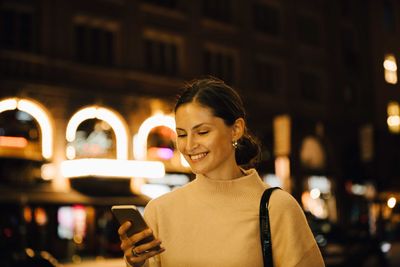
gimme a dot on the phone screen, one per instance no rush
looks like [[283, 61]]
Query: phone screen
[[131, 213]]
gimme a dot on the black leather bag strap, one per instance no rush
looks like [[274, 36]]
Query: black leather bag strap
[[265, 232]]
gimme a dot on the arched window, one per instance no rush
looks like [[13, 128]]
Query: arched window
[[26, 140], [25, 123], [158, 130], [161, 143], [96, 132]]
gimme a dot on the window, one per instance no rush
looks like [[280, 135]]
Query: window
[[389, 21], [309, 86], [160, 143], [267, 19], [349, 53], [219, 62], [346, 8], [94, 139], [95, 41], [268, 76], [161, 57], [220, 10], [20, 147], [17, 30], [308, 30], [162, 53], [350, 94]]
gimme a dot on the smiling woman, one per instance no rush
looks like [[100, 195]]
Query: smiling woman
[[214, 220], [225, 104], [211, 129], [206, 142]]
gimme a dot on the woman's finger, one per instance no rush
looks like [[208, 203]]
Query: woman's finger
[[144, 256], [153, 245], [129, 242], [123, 228], [141, 235]]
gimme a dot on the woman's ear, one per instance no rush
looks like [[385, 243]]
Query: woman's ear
[[238, 129]]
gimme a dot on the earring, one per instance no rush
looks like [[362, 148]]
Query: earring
[[235, 144]]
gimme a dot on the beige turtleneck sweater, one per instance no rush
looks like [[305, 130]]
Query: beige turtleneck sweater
[[215, 223]]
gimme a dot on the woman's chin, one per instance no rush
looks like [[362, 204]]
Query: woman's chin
[[196, 170]]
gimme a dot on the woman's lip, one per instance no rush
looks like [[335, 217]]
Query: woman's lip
[[198, 156]]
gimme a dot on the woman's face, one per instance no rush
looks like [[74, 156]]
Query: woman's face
[[205, 141]]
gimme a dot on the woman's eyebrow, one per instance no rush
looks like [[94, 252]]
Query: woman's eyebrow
[[194, 127]]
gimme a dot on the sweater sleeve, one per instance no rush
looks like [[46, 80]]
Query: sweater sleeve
[[293, 244], [150, 216]]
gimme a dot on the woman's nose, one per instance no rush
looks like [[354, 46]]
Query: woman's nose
[[190, 143]]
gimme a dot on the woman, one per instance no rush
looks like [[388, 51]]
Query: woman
[[214, 220]]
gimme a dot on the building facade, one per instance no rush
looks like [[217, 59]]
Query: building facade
[[310, 73]]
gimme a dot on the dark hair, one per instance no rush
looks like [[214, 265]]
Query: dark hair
[[226, 104]]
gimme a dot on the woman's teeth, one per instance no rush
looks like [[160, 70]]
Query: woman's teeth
[[198, 156]]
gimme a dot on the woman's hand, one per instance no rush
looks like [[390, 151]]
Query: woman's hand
[[137, 255]]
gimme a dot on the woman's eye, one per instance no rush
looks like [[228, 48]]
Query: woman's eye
[[181, 135], [203, 132]]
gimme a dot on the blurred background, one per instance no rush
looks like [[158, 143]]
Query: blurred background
[[86, 96]]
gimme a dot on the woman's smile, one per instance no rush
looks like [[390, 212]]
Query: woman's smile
[[197, 157]]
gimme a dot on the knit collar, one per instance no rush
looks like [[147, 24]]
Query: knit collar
[[251, 179]]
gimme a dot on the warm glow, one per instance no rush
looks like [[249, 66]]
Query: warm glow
[[112, 118], [282, 129], [112, 168], [48, 171], [164, 153], [40, 115], [391, 77], [30, 252], [140, 139], [27, 214], [321, 183], [391, 202], [40, 216], [390, 67], [8, 104], [393, 120], [282, 168], [393, 108], [72, 223], [390, 63], [44, 122], [154, 190], [13, 141], [71, 153], [315, 193], [77, 119], [315, 206]]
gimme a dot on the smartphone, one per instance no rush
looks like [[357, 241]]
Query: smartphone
[[131, 213]]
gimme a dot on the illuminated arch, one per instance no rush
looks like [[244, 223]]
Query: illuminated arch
[[140, 139], [40, 114], [115, 121]]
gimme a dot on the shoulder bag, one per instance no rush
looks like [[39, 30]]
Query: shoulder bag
[[265, 232]]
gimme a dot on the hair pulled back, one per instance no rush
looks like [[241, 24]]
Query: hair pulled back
[[225, 103]]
